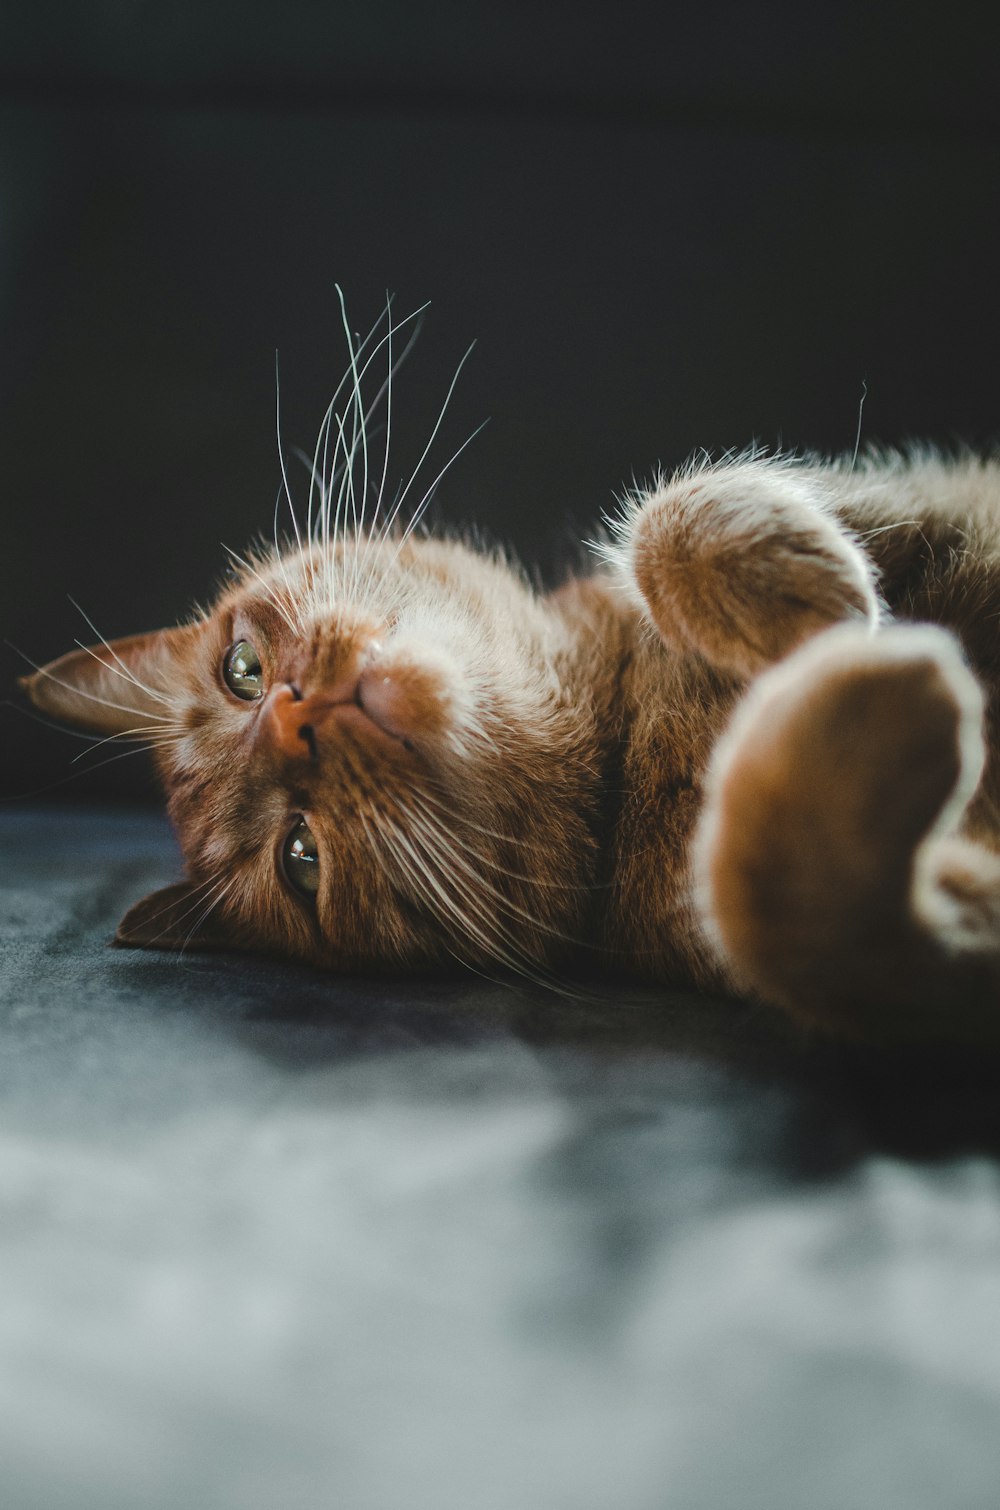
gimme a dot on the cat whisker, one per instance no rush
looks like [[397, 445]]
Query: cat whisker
[[80, 691], [422, 505], [314, 482], [318, 479], [358, 418], [49, 723], [468, 912], [379, 567], [477, 923], [436, 839], [433, 435], [388, 832], [345, 489], [163, 741], [200, 887], [857, 438], [126, 676], [281, 452], [120, 665], [203, 917], [386, 388], [392, 368], [458, 927], [78, 775], [443, 905], [439, 817], [279, 557], [272, 596], [211, 891], [324, 423]]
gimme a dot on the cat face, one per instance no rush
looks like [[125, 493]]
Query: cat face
[[370, 753]]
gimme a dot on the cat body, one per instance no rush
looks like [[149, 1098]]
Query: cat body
[[744, 841], [716, 760]]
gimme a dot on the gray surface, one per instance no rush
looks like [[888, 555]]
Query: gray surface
[[268, 1239]]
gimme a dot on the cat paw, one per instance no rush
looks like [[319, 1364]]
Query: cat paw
[[742, 565], [838, 764]]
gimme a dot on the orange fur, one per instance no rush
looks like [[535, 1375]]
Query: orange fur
[[703, 763]]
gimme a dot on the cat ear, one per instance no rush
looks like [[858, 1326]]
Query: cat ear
[[119, 687], [178, 917]]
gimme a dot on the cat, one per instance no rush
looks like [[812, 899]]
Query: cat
[[752, 750]]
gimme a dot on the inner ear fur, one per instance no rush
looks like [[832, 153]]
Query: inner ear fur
[[120, 687]]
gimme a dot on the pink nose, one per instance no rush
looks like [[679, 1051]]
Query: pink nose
[[291, 720]]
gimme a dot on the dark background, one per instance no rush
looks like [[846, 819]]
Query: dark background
[[668, 228]]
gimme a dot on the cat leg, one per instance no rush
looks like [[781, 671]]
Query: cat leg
[[830, 871], [743, 562]]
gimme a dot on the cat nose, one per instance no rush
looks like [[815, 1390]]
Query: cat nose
[[291, 718]]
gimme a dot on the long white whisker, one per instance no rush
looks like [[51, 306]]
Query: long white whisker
[[359, 415], [392, 368], [84, 771], [214, 902], [198, 892], [448, 854], [272, 596], [345, 483], [123, 670], [319, 438], [474, 922], [281, 454], [79, 691], [419, 510], [434, 890], [50, 723], [323, 435], [105, 666], [164, 738], [437, 426], [437, 817], [279, 556]]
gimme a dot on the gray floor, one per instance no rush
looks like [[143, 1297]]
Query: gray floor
[[268, 1239]]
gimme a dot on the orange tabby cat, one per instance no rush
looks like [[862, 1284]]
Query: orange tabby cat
[[715, 760]]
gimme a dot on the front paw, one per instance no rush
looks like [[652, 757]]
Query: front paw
[[741, 564]]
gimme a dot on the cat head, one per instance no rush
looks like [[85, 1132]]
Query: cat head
[[372, 753]]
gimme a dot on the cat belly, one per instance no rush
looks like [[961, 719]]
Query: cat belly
[[677, 707]]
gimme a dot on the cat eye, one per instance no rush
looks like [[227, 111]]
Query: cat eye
[[243, 672], [300, 859]]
